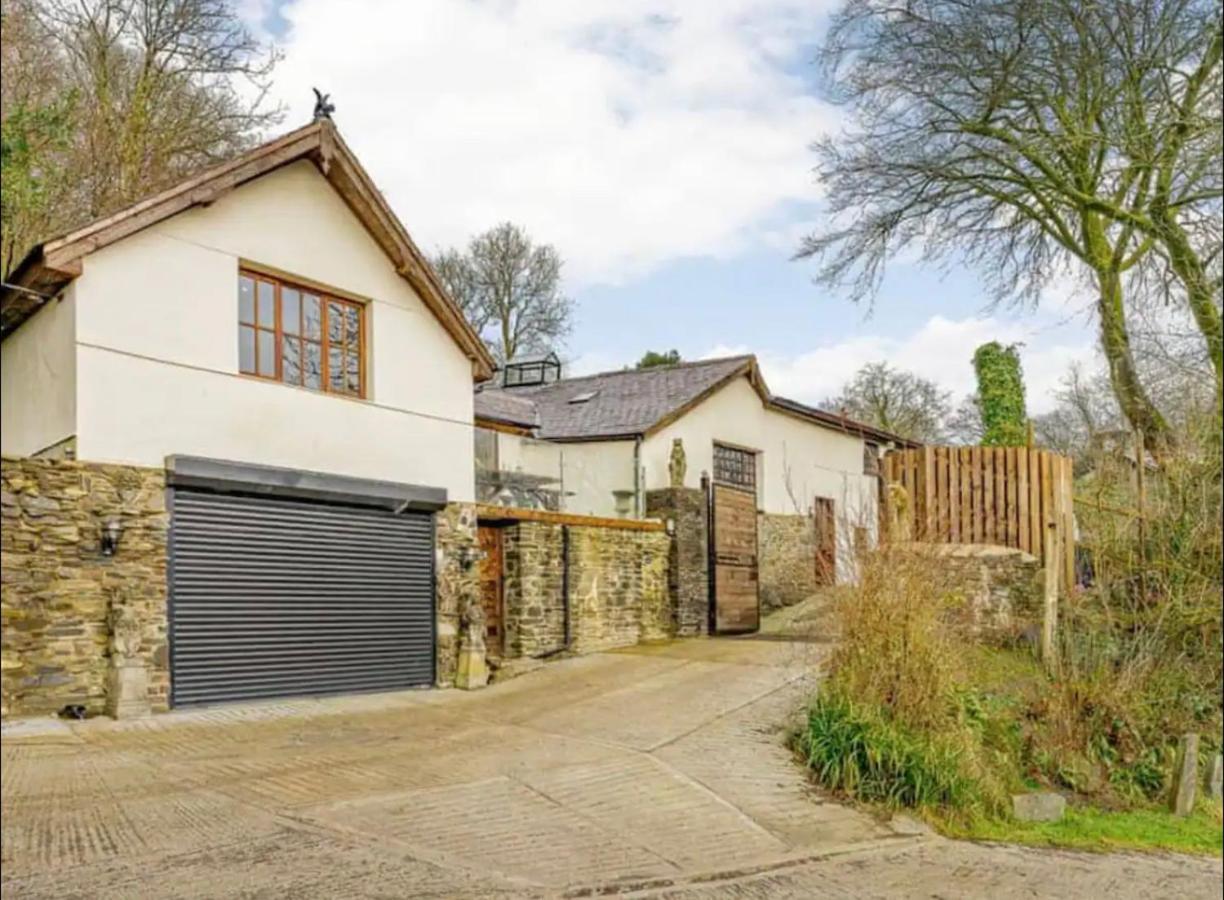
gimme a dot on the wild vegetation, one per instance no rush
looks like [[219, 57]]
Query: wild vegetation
[[1038, 141], [918, 712]]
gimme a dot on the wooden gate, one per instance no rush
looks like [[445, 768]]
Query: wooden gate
[[491, 595], [733, 541], [1007, 496], [825, 523]]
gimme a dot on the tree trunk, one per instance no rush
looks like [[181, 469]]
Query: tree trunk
[[1123, 375]]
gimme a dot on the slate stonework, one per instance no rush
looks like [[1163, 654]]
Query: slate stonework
[[532, 589], [786, 549], [998, 588], [688, 559], [617, 584], [57, 584], [456, 532]]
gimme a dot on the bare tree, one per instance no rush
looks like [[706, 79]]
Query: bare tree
[[964, 424], [510, 289], [895, 401], [152, 90], [1027, 138]]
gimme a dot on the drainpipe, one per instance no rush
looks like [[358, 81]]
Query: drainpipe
[[565, 587], [566, 618], [637, 477]]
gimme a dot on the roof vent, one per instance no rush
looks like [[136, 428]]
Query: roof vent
[[583, 397]]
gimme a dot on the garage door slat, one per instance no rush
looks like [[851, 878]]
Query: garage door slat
[[274, 597]]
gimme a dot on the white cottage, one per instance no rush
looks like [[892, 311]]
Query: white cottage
[[600, 444]]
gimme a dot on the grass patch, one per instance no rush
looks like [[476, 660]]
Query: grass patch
[[1087, 828], [853, 749]]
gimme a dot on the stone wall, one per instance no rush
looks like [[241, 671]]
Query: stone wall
[[688, 569], [456, 532], [616, 583], [998, 588], [532, 589], [786, 550], [57, 585]]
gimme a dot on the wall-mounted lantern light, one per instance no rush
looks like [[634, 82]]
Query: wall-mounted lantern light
[[109, 539], [469, 556]]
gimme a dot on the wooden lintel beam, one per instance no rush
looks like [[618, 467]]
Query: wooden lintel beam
[[486, 512]]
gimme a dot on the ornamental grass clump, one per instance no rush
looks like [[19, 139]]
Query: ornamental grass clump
[[890, 724]]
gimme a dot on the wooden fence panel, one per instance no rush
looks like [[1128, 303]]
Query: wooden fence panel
[[988, 495]]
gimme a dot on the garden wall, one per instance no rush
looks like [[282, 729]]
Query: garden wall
[[57, 585]]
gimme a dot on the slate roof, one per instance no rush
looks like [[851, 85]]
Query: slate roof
[[624, 403], [510, 407], [631, 402]]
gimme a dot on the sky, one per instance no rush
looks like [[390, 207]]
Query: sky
[[664, 149]]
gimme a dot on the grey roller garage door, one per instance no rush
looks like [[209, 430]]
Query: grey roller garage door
[[273, 597]]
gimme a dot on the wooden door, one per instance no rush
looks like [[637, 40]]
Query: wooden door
[[737, 604], [491, 588], [826, 541]]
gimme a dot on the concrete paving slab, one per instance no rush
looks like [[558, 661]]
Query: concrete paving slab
[[663, 768]]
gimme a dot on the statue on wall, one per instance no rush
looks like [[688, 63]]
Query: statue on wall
[[677, 465], [124, 626], [127, 686]]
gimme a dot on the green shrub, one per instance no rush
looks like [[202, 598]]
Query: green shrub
[[853, 750]]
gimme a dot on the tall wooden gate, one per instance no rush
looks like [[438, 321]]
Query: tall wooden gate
[[825, 524], [735, 579]]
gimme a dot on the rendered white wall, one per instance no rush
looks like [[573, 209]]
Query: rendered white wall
[[157, 329], [588, 473], [797, 460], [38, 380]]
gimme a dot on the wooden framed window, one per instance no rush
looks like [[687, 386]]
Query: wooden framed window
[[871, 459], [300, 335], [735, 467]]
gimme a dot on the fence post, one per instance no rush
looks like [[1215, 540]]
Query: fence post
[[1049, 619]]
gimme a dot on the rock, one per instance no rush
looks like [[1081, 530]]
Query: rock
[[1040, 806], [1215, 783], [1185, 776], [908, 826]]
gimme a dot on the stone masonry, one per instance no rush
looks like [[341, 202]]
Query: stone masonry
[[58, 585], [999, 588], [617, 588], [786, 548], [688, 560], [456, 532]]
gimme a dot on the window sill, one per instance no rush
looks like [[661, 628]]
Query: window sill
[[259, 379]]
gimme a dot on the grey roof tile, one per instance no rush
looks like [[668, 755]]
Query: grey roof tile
[[622, 403]]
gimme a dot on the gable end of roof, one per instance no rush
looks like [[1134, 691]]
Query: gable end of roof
[[50, 266]]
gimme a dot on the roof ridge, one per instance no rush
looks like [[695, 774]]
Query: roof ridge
[[690, 364]]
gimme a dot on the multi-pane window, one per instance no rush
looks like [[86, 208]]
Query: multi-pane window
[[871, 459], [300, 336], [735, 467]]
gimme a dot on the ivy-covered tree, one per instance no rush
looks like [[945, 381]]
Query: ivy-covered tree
[[1001, 395]]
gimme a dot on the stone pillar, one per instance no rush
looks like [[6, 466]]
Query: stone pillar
[[688, 560], [127, 681], [456, 538], [1185, 776]]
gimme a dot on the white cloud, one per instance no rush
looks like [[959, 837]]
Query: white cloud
[[626, 132], [941, 350]]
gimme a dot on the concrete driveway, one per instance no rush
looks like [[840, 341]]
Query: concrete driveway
[[656, 771]]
